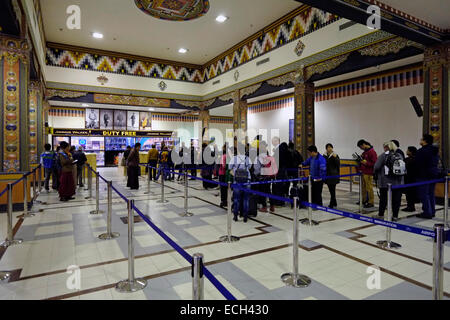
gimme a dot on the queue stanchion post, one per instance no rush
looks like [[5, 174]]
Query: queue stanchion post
[[309, 221], [89, 173], [186, 213], [34, 185], [10, 241], [446, 202], [229, 237], [438, 261], [109, 234], [162, 200], [351, 179], [149, 180], [40, 179], [25, 214], [388, 243], [360, 193], [197, 277], [97, 195], [294, 279], [131, 284]]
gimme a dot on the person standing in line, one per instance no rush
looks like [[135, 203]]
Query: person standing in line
[[170, 164], [427, 160], [152, 161], [400, 151], [47, 158], [240, 168], [80, 156], [223, 168], [385, 177], [333, 170], [56, 170], [318, 171], [67, 185], [282, 155], [133, 167], [411, 177], [74, 168], [163, 160], [297, 160], [268, 171], [194, 161], [369, 158]]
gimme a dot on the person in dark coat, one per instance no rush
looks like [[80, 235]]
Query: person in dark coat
[[333, 169], [208, 159], [427, 159], [411, 177], [282, 157], [133, 167], [80, 156], [67, 184]]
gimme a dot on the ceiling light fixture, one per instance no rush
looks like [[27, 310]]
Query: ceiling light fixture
[[151, 109], [182, 50], [97, 35], [221, 18], [284, 90], [85, 105]]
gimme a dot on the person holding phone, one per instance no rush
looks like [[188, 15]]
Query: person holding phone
[[318, 171]]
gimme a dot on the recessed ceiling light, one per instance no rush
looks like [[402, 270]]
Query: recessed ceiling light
[[221, 18], [151, 109], [284, 90], [182, 50], [85, 105], [97, 35]]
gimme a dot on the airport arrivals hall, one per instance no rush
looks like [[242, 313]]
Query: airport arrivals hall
[[224, 150]]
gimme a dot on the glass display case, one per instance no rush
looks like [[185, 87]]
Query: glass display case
[[118, 144], [58, 140]]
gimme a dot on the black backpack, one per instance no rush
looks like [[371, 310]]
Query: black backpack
[[396, 164]]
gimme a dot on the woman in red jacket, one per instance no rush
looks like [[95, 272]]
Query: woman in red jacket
[[369, 158]]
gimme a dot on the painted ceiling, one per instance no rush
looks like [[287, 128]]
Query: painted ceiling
[[176, 10]]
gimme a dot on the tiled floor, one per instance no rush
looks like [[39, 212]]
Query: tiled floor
[[335, 254]]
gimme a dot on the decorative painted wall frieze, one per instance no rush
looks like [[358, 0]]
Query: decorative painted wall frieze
[[131, 100], [196, 104], [250, 90], [14, 49], [306, 21], [325, 66], [281, 81], [50, 93], [393, 45], [227, 97]]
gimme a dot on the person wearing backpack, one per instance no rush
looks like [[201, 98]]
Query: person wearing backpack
[[267, 172], [47, 158], [427, 160], [390, 168], [240, 169]]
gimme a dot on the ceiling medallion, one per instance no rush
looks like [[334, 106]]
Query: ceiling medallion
[[102, 79], [236, 75], [175, 10], [162, 85], [299, 48]]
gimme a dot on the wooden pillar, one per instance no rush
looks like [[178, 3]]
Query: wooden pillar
[[240, 110], [304, 116], [436, 97], [14, 75], [35, 114], [205, 119]]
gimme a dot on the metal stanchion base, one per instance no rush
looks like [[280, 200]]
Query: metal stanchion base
[[131, 286], [162, 201], [186, 214], [4, 275], [107, 236], [96, 212], [8, 243], [388, 244], [148, 192], [40, 202], [87, 198], [28, 215], [296, 280], [306, 221], [229, 239]]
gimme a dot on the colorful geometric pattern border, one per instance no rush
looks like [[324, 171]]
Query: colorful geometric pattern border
[[271, 105], [305, 22], [108, 64], [379, 83], [66, 112]]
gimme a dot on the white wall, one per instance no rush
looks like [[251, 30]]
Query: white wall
[[66, 122], [376, 117], [271, 120]]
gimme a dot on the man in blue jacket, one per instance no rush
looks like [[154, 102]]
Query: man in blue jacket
[[427, 159], [47, 163], [318, 171]]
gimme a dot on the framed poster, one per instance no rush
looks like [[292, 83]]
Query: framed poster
[[133, 120], [106, 119], [92, 118], [120, 120], [145, 121]]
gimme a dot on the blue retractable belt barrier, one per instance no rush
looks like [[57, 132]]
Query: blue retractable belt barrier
[[186, 256], [393, 225], [416, 184], [273, 181], [103, 179], [4, 191], [119, 193], [259, 193]]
